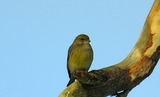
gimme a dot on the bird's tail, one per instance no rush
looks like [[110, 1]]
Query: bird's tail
[[70, 81]]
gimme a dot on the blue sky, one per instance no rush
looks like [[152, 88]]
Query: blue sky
[[35, 36]]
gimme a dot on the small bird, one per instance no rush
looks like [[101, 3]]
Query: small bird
[[80, 56]]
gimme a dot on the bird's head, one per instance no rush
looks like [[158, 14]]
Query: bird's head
[[81, 39]]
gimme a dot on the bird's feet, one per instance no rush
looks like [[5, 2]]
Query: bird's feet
[[80, 73]]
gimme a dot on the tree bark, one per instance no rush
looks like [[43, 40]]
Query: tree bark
[[121, 78]]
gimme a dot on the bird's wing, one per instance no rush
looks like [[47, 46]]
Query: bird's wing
[[69, 52]]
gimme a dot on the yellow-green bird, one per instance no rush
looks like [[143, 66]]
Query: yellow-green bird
[[80, 56]]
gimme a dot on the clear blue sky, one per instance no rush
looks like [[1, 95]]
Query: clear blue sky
[[35, 36]]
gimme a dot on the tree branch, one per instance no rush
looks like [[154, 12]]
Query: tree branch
[[121, 78]]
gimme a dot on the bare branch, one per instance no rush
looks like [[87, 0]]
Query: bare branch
[[121, 78]]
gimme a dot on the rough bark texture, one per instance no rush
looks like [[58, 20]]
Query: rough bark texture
[[121, 78]]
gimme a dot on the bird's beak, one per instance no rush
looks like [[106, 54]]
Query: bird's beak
[[87, 41]]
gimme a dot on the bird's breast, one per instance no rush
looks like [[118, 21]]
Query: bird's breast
[[81, 58]]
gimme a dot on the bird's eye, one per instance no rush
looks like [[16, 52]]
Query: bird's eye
[[82, 39]]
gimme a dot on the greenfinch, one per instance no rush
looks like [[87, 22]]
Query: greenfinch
[[80, 56]]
